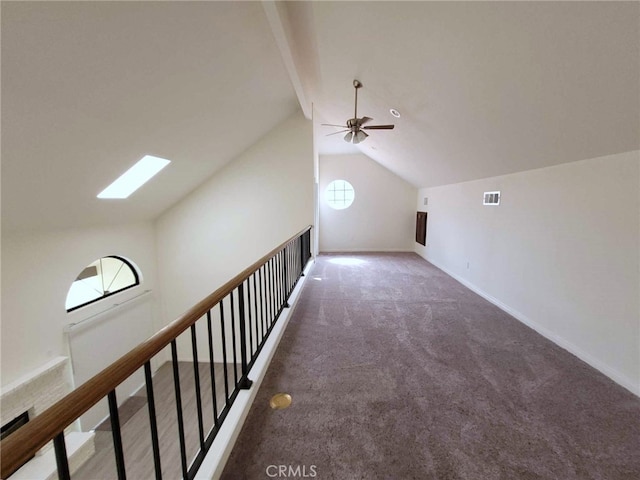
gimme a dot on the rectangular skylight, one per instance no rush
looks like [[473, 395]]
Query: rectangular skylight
[[135, 177]]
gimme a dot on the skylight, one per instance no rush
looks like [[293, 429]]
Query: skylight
[[135, 177]]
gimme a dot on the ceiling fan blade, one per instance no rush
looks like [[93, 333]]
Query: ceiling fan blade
[[332, 125], [348, 137], [380, 127], [364, 120], [360, 136], [335, 133]]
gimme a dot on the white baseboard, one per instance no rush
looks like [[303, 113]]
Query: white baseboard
[[216, 459], [614, 375], [368, 250]]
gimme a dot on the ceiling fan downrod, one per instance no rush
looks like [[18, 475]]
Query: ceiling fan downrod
[[355, 126], [357, 85]]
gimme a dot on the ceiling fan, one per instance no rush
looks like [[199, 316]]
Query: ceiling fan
[[355, 126]]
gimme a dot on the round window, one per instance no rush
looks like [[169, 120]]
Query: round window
[[340, 194]]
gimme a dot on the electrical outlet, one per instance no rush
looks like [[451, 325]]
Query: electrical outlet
[[467, 265]]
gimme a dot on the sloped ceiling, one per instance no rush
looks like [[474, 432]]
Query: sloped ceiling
[[88, 88], [484, 88]]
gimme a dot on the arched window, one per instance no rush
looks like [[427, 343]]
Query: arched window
[[100, 279]]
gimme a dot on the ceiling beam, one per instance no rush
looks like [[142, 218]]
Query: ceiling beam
[[279, 23]]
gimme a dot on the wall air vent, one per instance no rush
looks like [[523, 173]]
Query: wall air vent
[[491, 198]]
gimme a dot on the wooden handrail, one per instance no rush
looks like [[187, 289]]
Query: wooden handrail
[[21, 445]]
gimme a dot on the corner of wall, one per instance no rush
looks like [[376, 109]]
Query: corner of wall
[[581, 257]]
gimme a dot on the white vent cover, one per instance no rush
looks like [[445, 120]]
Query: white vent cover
[[491, 198]]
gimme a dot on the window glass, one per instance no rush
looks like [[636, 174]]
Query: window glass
[[99, 279], [340, 194]]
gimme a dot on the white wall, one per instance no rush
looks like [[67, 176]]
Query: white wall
[[382, 216], [248, 208], [316, 179], [37, 271], [561, 253]]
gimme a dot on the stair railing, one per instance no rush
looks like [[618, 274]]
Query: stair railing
[[249, 305]]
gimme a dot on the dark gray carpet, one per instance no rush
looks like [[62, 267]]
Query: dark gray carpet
[[397, 371]]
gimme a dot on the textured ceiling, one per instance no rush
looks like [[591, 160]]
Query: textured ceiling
[[484, 89]]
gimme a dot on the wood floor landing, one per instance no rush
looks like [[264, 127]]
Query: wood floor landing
[[125, 412], [134, 420]]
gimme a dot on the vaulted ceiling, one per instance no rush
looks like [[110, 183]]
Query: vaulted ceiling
[[484, 88], [88, 88]]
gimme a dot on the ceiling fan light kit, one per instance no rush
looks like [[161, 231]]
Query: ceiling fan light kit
[[360, 136], [355, 126]]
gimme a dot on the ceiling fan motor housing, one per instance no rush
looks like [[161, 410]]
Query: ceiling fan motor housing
[[354, 125]]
